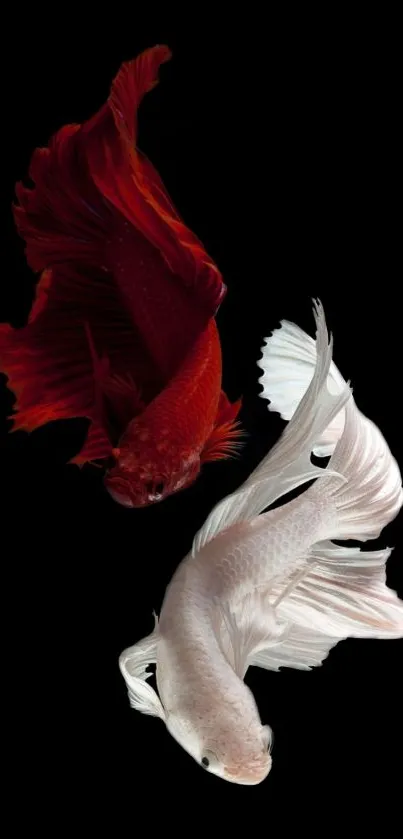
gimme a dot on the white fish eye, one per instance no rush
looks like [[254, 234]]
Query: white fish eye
[[209, 759]]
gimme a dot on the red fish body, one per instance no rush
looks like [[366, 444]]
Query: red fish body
[[122, 328]]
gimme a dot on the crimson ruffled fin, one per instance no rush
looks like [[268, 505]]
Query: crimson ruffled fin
[[92, 188], [131, 184], [50, 367], [226, 438], [134, 79], [62, 218]]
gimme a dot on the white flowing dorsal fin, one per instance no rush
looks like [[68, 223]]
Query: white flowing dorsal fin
[[288, 464], [133, 663], [342, 595]]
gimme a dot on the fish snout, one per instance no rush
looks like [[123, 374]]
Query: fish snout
[[119, 491], [249, 775]]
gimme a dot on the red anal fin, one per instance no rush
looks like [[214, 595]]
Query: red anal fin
[[48, 362], [225, 439]]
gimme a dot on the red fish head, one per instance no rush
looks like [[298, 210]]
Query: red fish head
[[148, 468]]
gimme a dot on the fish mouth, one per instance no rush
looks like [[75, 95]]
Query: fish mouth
[[247, 777], [120, 490]]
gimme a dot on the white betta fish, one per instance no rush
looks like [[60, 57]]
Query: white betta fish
[[269, 588]]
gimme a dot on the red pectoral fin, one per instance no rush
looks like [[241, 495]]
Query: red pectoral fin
[[225, 438]]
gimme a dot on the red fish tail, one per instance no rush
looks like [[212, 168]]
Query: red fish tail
[[97, 201], [62, 218]]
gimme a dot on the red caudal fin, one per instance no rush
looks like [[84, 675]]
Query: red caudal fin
[[131, 184], [98, 203], [50, 363], [225, 439]]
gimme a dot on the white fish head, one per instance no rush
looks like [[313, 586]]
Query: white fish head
[[232, 751]]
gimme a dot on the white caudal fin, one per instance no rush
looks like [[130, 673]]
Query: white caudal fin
[[372, 495], [288, 465], [288, 363]]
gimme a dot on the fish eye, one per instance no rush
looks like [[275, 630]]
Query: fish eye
[[210, 761]]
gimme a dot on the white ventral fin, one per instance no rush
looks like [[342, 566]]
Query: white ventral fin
[[133, 663]]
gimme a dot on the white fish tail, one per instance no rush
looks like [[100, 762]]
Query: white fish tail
[[371, 495], [344, 591], [289, 359]]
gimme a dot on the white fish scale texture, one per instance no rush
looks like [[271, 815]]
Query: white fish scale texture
[[277, 543]]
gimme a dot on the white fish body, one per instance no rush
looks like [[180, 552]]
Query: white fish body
[[269, 588]]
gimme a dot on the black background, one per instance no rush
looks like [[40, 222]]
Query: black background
[[279, 147]]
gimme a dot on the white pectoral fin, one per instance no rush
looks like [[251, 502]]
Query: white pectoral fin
[[133, 663], [288, 464]]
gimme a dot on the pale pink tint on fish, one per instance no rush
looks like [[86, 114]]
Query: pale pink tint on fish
[[271, 589]]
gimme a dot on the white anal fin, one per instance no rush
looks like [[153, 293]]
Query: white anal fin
[[345, 595], [299, 649]]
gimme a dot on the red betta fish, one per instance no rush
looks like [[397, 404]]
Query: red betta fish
[[122, 327]]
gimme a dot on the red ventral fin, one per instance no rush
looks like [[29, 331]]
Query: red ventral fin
[[225, 439], [117, 397], [96, 447]]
